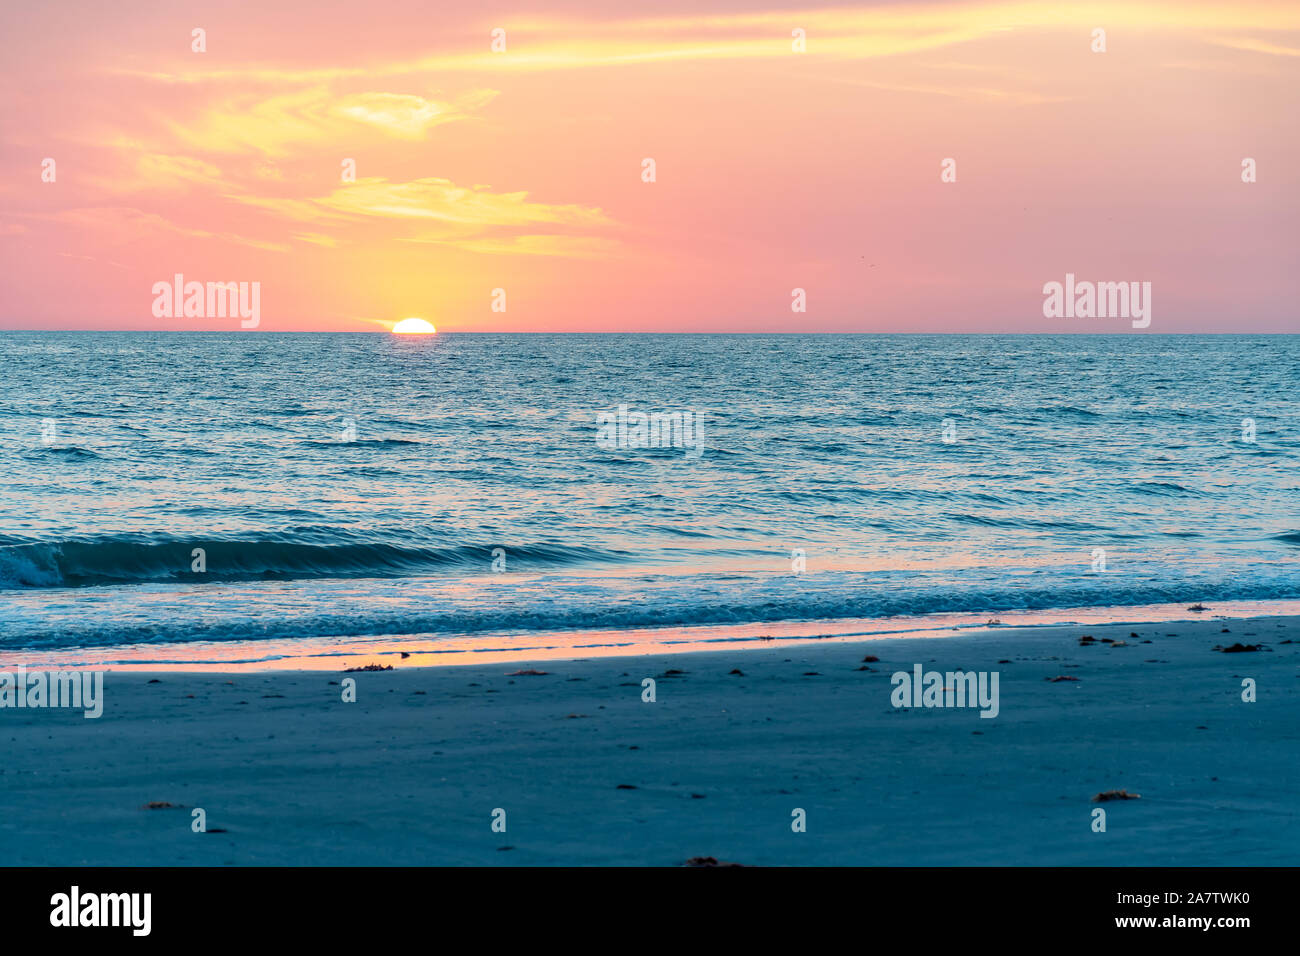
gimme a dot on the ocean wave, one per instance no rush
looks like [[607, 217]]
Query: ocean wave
[[221, 617], [363, 443], [65, 452], [1166, 489], [134, 560], [1069, 411]]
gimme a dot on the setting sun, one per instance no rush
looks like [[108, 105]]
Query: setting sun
[[413, 327]]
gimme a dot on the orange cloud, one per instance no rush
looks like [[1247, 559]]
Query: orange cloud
[[438, 211], [276, 125]]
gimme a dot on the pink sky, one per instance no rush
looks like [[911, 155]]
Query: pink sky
[[776, 169]]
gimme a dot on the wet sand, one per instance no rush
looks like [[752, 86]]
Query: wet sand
[[589, 773]]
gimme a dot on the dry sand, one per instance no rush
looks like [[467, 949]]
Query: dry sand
[[412, 772]]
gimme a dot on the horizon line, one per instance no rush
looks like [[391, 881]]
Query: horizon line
[[1115, 334]]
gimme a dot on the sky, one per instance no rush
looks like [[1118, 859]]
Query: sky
[[793, 148]]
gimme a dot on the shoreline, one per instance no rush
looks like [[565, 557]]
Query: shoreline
[[591, 774], [418, 650]]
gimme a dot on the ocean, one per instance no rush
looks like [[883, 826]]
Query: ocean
[[168, 495]]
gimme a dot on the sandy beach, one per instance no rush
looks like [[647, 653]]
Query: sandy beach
[[735, 742]]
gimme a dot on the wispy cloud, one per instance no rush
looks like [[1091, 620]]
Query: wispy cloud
[[1260, 46], [564, 42], [276, 125], [437, 210]]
